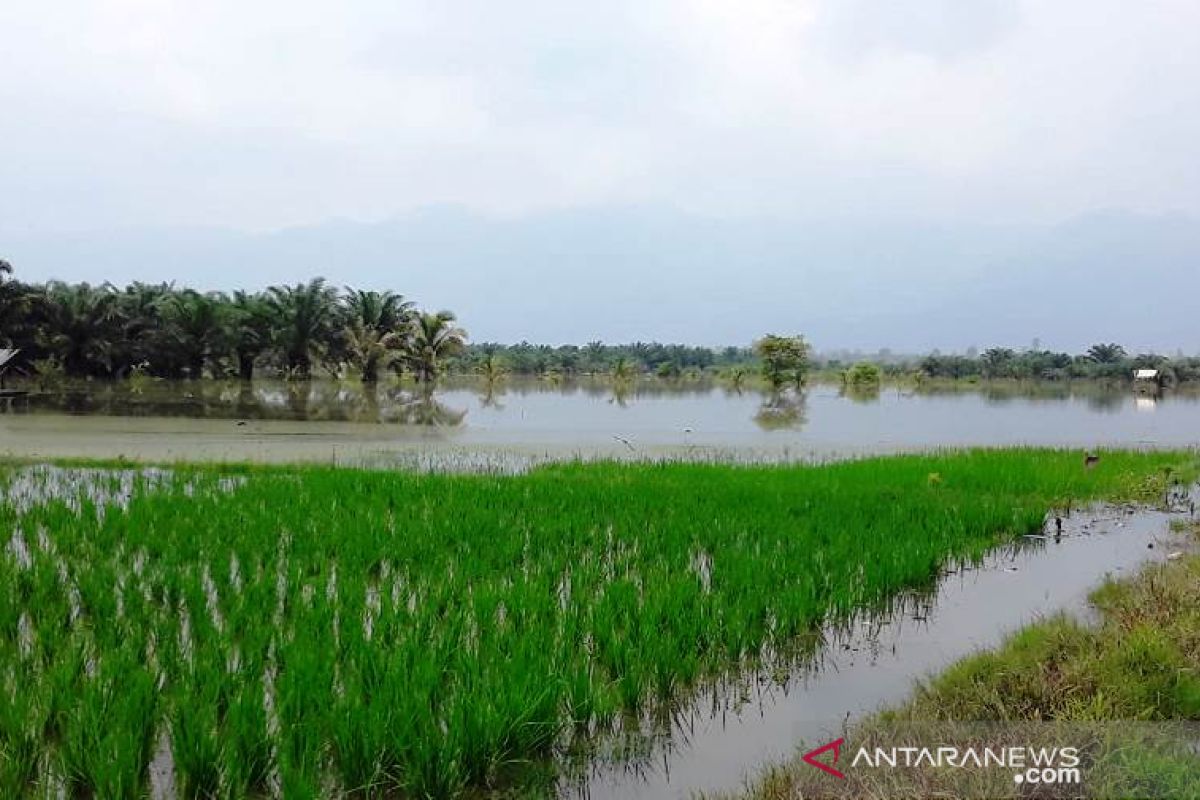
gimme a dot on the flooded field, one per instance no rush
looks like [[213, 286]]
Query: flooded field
[[510, 424], [730, 736]]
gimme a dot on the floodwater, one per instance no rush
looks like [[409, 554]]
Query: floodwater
[[727, 738], [516, 422]]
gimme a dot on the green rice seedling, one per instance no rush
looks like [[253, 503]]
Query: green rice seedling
[[197, 746], [433, 634], [107, 742]]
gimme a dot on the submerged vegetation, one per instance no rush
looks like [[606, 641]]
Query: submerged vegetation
[[432, 634]]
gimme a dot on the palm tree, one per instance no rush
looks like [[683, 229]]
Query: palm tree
[[434, 337], [304, 316], [81, 325], [1106, 353], [14, 304], [376, 333], [195, 328], [249, 330], [623, 370], [492, 368], [141, 306]]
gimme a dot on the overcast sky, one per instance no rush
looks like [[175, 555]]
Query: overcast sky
[[120, 114], [270, 113]]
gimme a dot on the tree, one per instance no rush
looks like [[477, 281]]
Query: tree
[[14, 305], [434, 337], [249, 330], [81, 325], [862, 374], [142, 326], [304, 317], [997, 361], [377, 329], [785, 359], [195, 328], [1106, 353]]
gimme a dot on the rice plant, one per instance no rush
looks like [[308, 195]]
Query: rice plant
[[296, 631]]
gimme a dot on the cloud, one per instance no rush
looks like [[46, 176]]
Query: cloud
[[161, 112]]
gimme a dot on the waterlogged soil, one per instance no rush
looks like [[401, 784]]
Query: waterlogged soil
[[735, 731], [510, 425]]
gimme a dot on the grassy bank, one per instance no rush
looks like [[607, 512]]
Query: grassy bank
[[431, 633], [1125, 691]]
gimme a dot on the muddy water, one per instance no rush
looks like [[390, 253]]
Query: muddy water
[[515, 423], [719, 744]]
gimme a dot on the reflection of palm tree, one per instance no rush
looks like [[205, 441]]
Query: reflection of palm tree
[[490, 396], [620, 393], [781, 411], [434, 337], [421, 408], [298, 393]]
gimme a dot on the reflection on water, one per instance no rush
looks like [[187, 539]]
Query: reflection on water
[[348, 422], [781, 411], [262, 400]]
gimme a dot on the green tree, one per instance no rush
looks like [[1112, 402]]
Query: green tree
[[142, 326], [304, 318], [14, 305], [997, 362], [862, 374], [785, 359], [195, 329], [377, 328], [1106, 353], [249, 330], [434, 338], [81, 325]]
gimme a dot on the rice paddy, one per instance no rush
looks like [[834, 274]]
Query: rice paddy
[[303, 632]]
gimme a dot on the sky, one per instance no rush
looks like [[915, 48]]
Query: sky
[[127, 118]]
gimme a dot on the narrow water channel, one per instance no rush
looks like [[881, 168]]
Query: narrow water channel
[[719, 745]]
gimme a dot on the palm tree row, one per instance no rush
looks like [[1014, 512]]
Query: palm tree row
[[157, 329]]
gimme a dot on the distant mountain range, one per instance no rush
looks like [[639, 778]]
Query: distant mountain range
[[625, 274]]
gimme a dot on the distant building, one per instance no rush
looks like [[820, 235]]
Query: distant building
[[1148, 381]]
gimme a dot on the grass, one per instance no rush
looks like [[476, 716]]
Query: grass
[[1127, 692], [432, 635]]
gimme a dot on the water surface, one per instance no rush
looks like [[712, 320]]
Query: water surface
[[516, 421]]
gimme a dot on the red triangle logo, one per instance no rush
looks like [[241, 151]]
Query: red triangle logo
[[810, 758]]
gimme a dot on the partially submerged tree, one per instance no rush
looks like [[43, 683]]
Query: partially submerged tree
[[377, 330], [304, 316], [785, 359], [434, 338]]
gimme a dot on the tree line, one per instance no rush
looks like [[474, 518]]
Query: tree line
[[101, 331], [299, 330], [1105, 361]]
